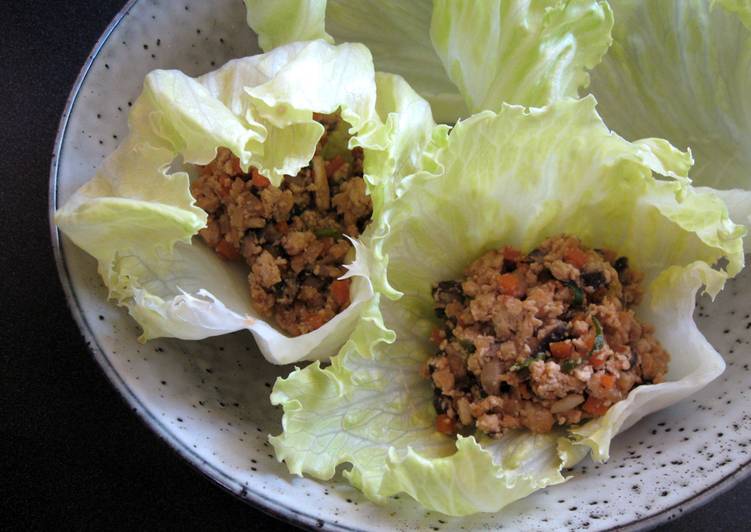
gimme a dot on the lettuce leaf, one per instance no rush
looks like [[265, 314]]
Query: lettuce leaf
[[138, 218], [520, 52], [681, 70], [513, 177], [516, 51]]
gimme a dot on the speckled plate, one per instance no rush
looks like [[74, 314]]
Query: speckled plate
[[209, 399]]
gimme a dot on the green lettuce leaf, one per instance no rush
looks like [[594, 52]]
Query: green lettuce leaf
[[291, 20], [516, 51], [400, 41], [681, 70], [520, 52], [371, 408], [138, 218], [515, 177]]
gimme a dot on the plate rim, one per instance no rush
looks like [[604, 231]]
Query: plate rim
[[166, 437]]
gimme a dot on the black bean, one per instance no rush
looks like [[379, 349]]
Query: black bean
[[593, 279], [544, 276], [620, 264], [449, 286], [270, 233], [556, 335], [508, 266], [536, 255], [447, 291], [438, 402]]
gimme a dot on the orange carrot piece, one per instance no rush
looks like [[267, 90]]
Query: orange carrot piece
[[561, 349], [444, 425], [594, 406], [608, 381], [575, 256], [257, 179], [340, 292], [510, 285]]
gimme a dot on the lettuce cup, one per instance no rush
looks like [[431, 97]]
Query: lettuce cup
[[291, 156], [514, 181]]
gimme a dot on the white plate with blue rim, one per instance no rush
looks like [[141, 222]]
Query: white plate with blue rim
[[210, 399]]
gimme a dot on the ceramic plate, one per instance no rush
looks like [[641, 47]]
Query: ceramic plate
[[209, 399]]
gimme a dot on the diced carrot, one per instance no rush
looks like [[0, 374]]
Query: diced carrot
[[257, 179], [444, 424], [227, 251], [340, 291], [596, 361], [436, 336], [510, 285], [608, 381], [594, 406], [561, 349], [575, 256], [512, 254], [315, 321], [333, 165]]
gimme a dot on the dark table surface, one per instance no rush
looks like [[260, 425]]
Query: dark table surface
[[73, 454]]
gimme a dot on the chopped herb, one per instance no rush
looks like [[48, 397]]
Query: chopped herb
[[620, 264], [569, 365], [524, 364], [327, 232], [599, 337], [578, 293], [468, 346]]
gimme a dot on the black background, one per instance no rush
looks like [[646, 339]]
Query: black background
[[72, 454]]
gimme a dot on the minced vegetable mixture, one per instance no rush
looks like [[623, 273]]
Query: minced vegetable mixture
[[291, 236], [539, 340]]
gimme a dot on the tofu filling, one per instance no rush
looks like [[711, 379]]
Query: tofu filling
[[539, 340], [293, 237]]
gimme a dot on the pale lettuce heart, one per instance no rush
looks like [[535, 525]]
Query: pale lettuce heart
[[681, 70], [137, 216], [515, 177], [526, 52]]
